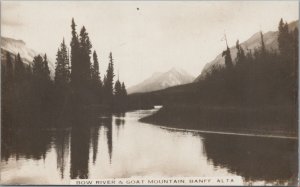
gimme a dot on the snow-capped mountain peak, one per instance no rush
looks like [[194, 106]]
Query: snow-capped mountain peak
[[158, 81]]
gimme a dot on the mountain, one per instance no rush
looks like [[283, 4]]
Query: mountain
[[27, 54], [270, 39], [158, 81]]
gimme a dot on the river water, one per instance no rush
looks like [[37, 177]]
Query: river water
[[119, 146]]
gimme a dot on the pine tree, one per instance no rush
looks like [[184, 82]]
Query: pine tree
[[117, 95], [37, 68], [41, 72], [75, 69], [109, 80], [118, 89], [58, 67], [240, 58], [263, 47], [46, 70], [85, 52], [62, 70], [95, 69], [228, 59], [283, 38], [123, 90]]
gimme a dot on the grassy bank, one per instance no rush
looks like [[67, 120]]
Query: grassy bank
[[271, 120]]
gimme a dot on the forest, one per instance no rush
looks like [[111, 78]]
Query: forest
[[258, 91], [31, 97]]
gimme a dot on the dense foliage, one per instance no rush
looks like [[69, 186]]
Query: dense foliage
[[29, 95]]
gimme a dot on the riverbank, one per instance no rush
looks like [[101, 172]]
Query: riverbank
[[276, 121]]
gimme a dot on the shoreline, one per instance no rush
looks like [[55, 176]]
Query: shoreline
[[230, 133], [224, 121]]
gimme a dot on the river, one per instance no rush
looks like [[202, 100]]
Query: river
[[119, 146]]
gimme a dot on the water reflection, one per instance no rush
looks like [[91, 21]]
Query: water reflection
[[84, 139], [22, 143], [109, 134], [94, 141], [266, 159], [106, 146], [62, 146]]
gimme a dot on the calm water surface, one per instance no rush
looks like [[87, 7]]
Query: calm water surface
[[119, 146]]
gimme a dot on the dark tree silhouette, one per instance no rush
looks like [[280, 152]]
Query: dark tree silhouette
[[263, 47], [40, 70], [228, 59], [20, 71], [46, 70], [95, 69], [96, 83], [123, 90], [75, 68], [240, 58], [62, 70], [283, 38], [109, 81], [117, 93], [85, 59]]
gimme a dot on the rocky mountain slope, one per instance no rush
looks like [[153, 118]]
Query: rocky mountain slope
[[158, 81], [270, 39], [27, 54]]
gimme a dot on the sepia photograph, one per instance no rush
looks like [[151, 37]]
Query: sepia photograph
[[149, 93]]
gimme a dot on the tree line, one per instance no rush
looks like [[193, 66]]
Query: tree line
[[29, 95], [256, 77]]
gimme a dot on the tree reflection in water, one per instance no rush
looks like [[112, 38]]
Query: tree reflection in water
[[78, 154], [85, 136], [253, 158], [24, 143], [62, 145]]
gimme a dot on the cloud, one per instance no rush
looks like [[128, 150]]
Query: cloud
[[9, 14]]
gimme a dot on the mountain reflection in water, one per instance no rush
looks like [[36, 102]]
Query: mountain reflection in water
[[118, 146]]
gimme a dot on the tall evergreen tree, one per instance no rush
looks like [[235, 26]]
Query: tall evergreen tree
[[263, 47], [46, 70], [75, 69], [62, 70], [109, 80], [240, 58], [85, 52], [95, 69]]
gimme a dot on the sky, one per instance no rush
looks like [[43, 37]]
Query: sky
[[144, 36]]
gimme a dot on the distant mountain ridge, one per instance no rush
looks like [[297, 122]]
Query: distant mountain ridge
[[27, 54], [271, 43], [158, 81]]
